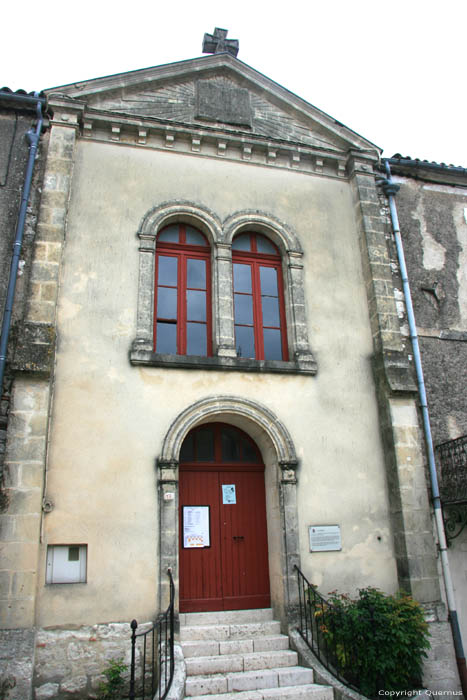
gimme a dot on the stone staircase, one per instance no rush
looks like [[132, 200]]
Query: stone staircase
[[241, 655]]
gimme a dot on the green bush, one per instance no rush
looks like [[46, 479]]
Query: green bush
[[112, 688], [378, 641]]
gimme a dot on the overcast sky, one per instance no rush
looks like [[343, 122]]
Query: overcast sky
[[395, 72]]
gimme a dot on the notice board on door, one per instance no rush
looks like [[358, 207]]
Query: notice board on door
[[196, 527]]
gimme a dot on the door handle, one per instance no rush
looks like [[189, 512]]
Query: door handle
[[238, 537]]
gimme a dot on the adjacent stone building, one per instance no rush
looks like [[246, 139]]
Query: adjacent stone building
[[213, 282], [432, 205]]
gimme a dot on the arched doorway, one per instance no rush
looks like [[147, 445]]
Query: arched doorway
[[223, 530]]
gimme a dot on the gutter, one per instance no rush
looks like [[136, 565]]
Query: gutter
[[21, 100], [390, 188], [13, 100]]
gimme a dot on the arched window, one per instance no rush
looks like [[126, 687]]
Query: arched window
[[221, 444], [182, 298], [259, 312]]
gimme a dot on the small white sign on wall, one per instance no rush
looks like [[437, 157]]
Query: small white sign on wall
[[325, 538]]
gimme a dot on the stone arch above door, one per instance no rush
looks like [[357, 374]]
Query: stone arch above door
[[271, 435], [218, 406]]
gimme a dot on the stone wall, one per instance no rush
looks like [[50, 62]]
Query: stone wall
[[14, 154], [70, 662], [16, 663], [433, 221]]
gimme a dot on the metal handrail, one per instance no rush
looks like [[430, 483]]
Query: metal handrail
[[156, 658], [319, 618]]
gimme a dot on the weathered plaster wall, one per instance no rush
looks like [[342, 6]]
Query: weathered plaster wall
[[433, 220], [109, 418]]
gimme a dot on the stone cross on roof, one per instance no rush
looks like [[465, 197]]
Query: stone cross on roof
[[218, 42]]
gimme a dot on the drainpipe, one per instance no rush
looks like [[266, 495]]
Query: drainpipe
[[33, 138], [390, 189]]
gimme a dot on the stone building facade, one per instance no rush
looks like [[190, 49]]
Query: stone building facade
[[432, 206], [102, 418]]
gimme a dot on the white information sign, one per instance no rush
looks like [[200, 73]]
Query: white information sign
[[196, 526], [228, 493], [325, 538]]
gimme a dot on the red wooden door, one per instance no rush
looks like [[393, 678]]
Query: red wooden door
[[232, 572]]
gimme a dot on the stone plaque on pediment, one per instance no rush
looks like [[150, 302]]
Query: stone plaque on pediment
[[222, 103]]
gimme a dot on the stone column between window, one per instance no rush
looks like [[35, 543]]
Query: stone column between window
[[144, 321], [223, 301]]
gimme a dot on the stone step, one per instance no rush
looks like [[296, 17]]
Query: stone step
[[225, 632], [241, 655], [240, 646], [225, 617], [259, 680], [310, 691], [228, 663]]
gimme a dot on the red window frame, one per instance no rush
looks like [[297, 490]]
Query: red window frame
[[183, 252], [256, 260], [218, 461]]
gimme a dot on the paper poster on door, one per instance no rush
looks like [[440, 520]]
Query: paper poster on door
[[228, 494], [196, 527]]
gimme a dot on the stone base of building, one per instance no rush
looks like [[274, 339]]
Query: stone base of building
[[61, 663]]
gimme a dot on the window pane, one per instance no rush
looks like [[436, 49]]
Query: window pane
[[166, 338], [242, 277], [264, 245], [243, 308], [196, 273], [230, 446], [166, 302], [249, 452], [187, 453], [270, 311], [169, 234], [196, 341], [195, 305], [245, 341], [242, 242], [73, 553], [205, 445], [268, 276], [194, 237], [272, 344], [167, 270]]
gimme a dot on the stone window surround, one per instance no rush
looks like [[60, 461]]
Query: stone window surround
[[220, 236]]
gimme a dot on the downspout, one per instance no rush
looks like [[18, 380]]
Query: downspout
[[33, 138], [390, 189]]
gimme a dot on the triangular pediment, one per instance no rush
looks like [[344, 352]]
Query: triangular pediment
[[217, 91]]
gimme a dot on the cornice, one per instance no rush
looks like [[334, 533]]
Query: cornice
[[209, 141]]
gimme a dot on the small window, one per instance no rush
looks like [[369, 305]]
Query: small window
[[183, 294], [258, 298], [66, 563], [221, 444]]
